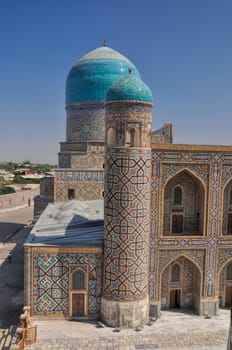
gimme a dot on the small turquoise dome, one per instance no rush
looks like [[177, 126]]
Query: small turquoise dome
[[92, 75], [130, 87]]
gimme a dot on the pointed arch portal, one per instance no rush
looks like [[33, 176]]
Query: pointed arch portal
[[181, 282], [225, 285], [184, 205]]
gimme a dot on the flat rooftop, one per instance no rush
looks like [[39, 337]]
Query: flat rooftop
[[68, 224]]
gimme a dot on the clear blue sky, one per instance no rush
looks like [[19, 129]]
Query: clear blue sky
[[182, 48]]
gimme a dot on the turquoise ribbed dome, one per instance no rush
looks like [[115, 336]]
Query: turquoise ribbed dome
[[130, 87], [92, 75]]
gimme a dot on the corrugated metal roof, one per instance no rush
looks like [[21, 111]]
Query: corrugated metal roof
[[70, 223]]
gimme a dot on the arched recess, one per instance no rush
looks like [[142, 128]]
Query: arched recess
[[225, 285], [184, 205], [185, 291], [111, 137], [132, 137], [227, 209]]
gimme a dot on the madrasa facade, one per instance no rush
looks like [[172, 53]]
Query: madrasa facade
[[138, 224]]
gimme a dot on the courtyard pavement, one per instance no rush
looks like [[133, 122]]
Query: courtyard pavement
[[174, 330]]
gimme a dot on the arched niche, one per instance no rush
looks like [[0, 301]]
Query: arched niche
[[111, 137], [181, 285], [227, 210], [183, 205], [132, 137]]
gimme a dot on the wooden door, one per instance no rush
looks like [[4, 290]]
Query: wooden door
[[229, 296], [177, 297], [174, 298], [78, 304], [177, 224]]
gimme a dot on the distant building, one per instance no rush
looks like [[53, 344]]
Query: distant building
[[167, 235], [6, 175]]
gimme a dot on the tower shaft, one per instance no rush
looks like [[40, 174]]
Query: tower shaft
[[127, 215]]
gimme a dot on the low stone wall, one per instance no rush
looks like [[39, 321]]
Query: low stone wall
[[20, 199]]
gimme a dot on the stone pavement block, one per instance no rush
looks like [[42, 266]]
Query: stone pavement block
[[205, 335]]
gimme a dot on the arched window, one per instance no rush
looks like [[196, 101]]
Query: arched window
[[177, 198], [229, 272], [111, 137], [175, 276], [79, 280]]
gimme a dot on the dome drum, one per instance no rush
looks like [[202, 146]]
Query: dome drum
[[85, 123]]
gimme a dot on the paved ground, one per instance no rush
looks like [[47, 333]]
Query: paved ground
[[12, 236], [12, 221], [175, 330]]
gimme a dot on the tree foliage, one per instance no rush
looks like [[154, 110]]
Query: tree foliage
[[12, 166], [6, 189], [20, 180]]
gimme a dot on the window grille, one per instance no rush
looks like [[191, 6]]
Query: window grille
[[78, 280]]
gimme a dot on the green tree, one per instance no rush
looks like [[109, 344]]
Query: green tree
[[6, 189]]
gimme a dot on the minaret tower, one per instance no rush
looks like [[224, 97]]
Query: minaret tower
[[125, 301]]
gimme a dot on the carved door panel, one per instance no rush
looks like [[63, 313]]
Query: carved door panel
[[78, 308], [228, 296]]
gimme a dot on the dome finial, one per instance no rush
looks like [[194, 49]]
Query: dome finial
[[104, 43]]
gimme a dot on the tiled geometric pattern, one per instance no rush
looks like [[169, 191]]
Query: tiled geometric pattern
[[83, 191], [127, 199], [226, 173], [89, 160], [197, 256], [224, 256], [88, 185], [168, 170], [27, 277], [86, 122], [79, 175], [210, 168], [51, 285]]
